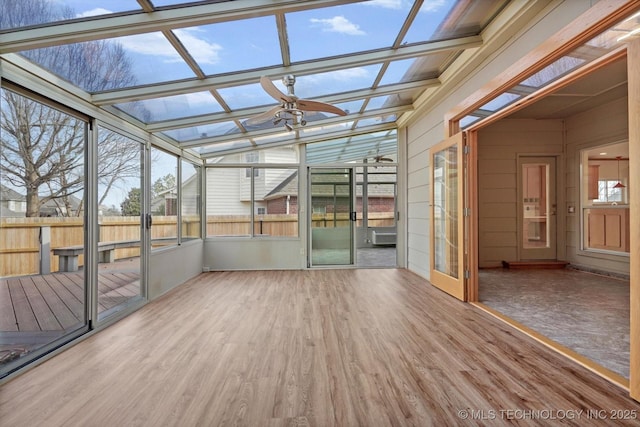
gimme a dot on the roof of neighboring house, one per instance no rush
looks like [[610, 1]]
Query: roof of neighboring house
[[288, 187], [7, 193]]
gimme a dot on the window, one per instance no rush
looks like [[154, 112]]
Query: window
[[251, 157], [190, 182], [266, 204], [164, 198], [604, 198], [609, 191]]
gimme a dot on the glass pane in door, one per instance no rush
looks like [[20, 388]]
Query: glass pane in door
[[119, 216], [446, 208], [42, 221], [331, 225], [535, 205]]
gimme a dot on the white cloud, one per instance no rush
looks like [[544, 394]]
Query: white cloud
[[94, 12], [350, 73], [339, 24], [428, 6], [432, 5], [202, 51], [338, 75], [387, 4], [155, 44]]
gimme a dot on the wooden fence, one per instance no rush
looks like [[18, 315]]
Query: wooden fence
[[20, 237]]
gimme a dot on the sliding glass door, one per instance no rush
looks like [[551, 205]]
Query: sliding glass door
[[332, 216], [43, 279], [120, 209]]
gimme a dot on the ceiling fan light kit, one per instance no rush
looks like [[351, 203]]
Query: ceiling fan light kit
[[291, 111]]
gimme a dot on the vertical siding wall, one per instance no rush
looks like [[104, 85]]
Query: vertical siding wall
[[428, 129], [605, 124], [499, 146]]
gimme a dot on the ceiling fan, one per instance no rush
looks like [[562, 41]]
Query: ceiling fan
[[292, 109], [380, 158]]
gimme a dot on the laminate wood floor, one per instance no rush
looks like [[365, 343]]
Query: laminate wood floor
[[325, 347]]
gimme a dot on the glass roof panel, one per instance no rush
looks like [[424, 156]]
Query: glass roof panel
[[350, 106], [338, 30], [396, 71], [114, 63], [317, 130], [172, 107], [153, 58], [18, 14], [233, 46], [429, 21], [276, 137], [467, 121], [500, 101], [203, 131], [356, 148], [553, 71], [377, 102], [378, 120], [219, 148], [246, 96], [445, 19], [161, 3], [334, 81]]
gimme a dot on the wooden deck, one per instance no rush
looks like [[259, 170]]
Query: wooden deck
[[55, 302], [321, 348]]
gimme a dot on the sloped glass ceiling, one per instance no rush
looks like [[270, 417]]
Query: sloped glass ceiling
[[190, 72]]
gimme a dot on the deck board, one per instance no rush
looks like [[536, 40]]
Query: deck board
[[7, 315], [55, 302], [60, 310], [47, 320], [25, 318]]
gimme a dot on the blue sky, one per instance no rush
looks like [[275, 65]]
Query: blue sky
[[234, 46]]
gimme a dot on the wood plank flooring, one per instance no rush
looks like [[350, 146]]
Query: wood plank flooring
[[324, 348]]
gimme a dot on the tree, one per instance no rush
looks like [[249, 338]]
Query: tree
[[42, 148], [132, 204], [167, 182]]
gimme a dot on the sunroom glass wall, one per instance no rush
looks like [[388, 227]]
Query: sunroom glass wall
[[42, 222]]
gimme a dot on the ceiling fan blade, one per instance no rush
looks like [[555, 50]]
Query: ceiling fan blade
[[307, 105], [272, 90], [263, 117]]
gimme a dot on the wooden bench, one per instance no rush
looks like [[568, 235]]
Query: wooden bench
[[68, 256]]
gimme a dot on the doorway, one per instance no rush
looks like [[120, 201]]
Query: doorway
[[331, 217], [537, 208]]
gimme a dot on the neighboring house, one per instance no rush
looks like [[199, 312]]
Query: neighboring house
[[234, 197], [57, 207], [12, 203], [165, 203]]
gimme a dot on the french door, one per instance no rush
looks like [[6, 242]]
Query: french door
[[331, 217], [446, 219]]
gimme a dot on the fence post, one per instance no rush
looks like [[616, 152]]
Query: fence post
[[45, 249]]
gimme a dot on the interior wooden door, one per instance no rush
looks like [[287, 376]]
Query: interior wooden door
[[446, 219], [537, 208]]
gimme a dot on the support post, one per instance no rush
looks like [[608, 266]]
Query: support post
[[45, 249]]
